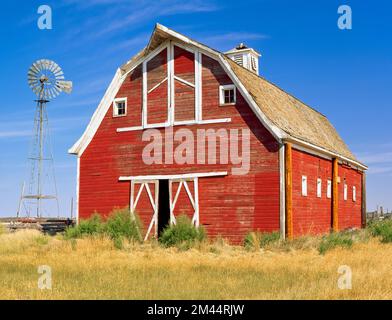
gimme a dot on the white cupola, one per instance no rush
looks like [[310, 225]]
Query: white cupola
[[246, 57]]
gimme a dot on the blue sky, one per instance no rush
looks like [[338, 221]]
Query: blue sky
[[345, 74]]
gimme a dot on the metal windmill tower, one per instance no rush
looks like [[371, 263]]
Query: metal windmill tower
[[46, 79]]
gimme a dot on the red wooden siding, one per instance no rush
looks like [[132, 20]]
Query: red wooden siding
[[312, 215], [349, 210], [230, 206], [132, 90], [157, 100], [184, 96]]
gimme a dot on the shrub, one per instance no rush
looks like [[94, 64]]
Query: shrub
[[88, 227], [121, 225], [382, 229], [333, 240], [260, 239], [183, 234], [2, 229]]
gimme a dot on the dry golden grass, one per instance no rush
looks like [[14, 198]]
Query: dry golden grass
[[94, 269]]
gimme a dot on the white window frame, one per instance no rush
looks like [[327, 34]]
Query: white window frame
[[115, 109], [354, 194], [329, 189], [319, 187], [222, 90], [304, 186], [345, 191]]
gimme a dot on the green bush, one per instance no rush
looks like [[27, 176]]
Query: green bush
[[260, 239], [183, 234], [333, 240], [88, 227], [121, 225], [382, 229]]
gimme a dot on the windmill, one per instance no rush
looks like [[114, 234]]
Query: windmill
[[47, 81]]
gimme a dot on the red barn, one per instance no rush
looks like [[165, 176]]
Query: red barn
[[185, 129]]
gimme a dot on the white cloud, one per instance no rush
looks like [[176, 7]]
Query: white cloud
[[374, 157], [15, 134]]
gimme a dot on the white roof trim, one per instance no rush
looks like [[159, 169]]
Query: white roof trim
[[306, 146], [81, 145]]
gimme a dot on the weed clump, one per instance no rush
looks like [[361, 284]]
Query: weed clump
[[119, 226], [257, 240], [333, 240], [382, 230], [183, 234]]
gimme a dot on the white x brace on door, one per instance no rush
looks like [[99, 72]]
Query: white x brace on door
[[137, 188], [183, 185]]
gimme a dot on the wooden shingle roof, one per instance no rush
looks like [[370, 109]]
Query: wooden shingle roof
[[290, 114]]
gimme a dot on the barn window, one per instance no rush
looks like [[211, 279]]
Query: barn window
[[120, 107], [345, 191], [304, 186], [354, 193], [329, 189], [318, 188], [227, 94]]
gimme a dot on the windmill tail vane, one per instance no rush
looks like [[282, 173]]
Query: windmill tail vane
[[46, 79]]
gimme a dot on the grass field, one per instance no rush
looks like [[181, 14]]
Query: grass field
[[93, 269]]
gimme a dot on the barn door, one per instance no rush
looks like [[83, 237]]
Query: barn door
[[144, 201], [184, 199]]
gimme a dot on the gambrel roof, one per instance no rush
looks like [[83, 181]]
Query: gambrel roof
[[286, 117]]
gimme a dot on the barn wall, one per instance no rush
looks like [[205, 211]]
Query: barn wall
[[350, 210], [230, 206], [312, 215]]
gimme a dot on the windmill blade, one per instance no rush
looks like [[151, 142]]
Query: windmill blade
[[56, 91], [34, 69], [59, 74], [32, 74], [65, 86], [32, 81], [50, 65], [55, 67], [38, 66]]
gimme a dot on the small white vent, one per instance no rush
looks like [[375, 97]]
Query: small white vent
[[239, 58], [253, 63]]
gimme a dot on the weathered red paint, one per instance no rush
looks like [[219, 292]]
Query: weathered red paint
[[311, 214], [230, 206]]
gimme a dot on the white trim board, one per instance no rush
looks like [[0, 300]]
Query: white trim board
[[174, 176], [282, 192], [178, 123]]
